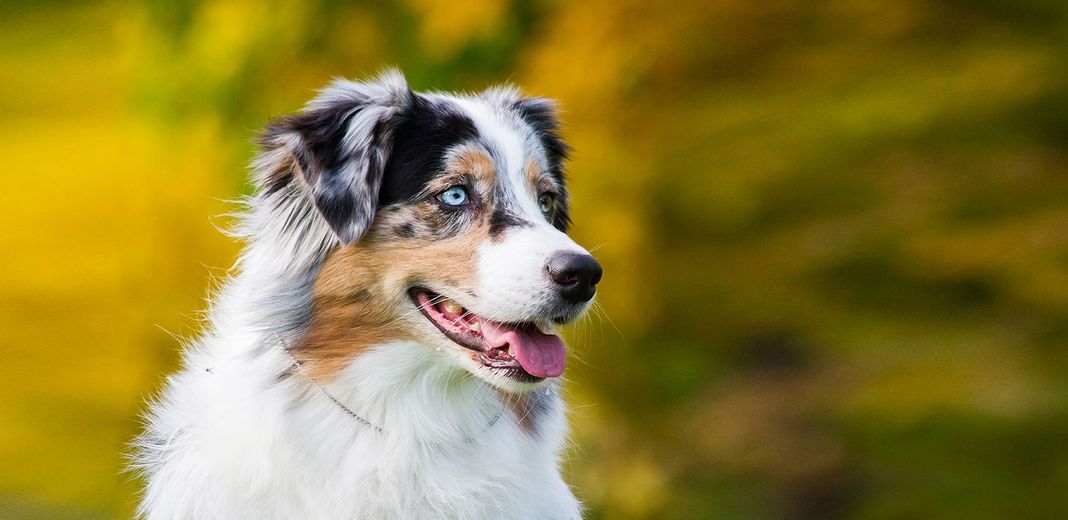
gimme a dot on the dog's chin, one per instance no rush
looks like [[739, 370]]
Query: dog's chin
[[515, 357]]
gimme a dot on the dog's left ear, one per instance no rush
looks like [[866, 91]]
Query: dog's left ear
[[541, 115], [340, 143]]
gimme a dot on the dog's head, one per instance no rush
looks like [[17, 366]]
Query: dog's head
[[450, 212]]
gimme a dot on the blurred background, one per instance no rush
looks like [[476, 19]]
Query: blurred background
[[835, 234]]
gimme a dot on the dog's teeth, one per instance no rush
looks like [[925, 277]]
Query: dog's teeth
[[476, 326], [452, 307], [510, 353]]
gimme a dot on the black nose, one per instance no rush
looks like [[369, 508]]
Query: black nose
[[575, 274]]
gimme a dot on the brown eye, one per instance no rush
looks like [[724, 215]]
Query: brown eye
[[547, 203]]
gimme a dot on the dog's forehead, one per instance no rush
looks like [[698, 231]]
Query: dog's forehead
[[503, 134], [438, 125]]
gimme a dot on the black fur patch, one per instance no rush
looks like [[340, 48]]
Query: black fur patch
[[541, 116], [405, 230], [501, 219], [425, 133], [321, 132], [334, 200]]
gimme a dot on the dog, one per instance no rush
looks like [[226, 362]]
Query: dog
[[385, 344]]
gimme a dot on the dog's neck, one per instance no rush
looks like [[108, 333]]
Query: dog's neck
[[385, 385], [242, 422], [412, 403]]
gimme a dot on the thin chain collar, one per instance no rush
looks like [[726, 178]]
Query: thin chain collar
[[298, 367]]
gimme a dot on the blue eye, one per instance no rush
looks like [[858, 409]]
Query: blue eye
[[454, 196]]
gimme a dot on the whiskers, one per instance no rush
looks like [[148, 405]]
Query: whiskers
[[601, 312], [419, 308]]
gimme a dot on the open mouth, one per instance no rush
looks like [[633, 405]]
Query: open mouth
[[520, 351]]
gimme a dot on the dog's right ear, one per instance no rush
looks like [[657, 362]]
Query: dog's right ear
[[340, 143]]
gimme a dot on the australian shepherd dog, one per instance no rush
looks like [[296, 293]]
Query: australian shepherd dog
[[386, 345]]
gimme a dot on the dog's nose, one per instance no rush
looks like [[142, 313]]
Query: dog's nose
[[575, 274]]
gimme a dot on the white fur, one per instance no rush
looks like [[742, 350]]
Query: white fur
[[236, 446], [512, 271], [228, 438]]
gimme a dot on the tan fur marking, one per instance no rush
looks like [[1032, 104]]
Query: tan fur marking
[[532, 172], [360, 296], [476, 162], [349, 315]]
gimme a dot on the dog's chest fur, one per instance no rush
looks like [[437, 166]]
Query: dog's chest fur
[[230, 444]]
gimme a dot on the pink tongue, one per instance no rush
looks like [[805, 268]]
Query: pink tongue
[[540, 354]]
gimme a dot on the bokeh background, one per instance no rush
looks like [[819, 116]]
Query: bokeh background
[[835, 234]]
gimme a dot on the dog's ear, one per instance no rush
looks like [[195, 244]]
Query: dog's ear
[[340, 143], [541, 115]]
